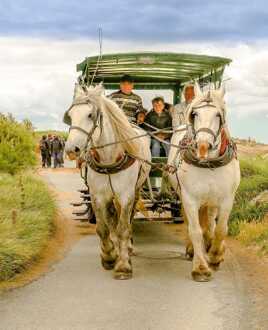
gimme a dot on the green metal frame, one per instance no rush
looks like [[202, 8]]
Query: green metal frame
[[165, 71]]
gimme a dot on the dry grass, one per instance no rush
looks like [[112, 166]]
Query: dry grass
[[256, 234]]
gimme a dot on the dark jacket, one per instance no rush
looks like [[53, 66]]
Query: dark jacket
[[160, 121], [44, 146], [56, 145]]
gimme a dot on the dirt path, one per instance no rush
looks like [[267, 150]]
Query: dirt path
[[78, 294]]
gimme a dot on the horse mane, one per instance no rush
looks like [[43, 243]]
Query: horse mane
[[122, 127], [212, 94]]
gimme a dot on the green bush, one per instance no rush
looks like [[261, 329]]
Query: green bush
[[17, 147], [254, 180]]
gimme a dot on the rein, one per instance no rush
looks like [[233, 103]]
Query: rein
[[127, 160], [209, 131]]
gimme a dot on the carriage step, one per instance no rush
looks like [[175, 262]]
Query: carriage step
[[178, 220], [81, 219], [80, 203], [85, 196], [83, 191], [157, 220], [78, 213]]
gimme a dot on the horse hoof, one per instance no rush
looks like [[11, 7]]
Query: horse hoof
[[215, 261], [215, 266], [202, 277], [108, 265], [122, 275]]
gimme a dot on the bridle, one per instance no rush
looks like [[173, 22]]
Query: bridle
[[215, 135], [97, 120]]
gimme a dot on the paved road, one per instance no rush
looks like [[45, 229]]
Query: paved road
[[79, 294]]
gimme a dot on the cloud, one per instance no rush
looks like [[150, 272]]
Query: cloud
[[38, 75], [165, 21]]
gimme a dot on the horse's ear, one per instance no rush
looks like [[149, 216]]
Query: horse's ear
[[197, 90], [99, 89], [221, 91], [78, 91]]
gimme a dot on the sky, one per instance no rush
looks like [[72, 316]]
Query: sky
[[42, 41]]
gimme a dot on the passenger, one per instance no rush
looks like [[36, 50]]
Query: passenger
[[44, 150], [160, 118], [128, 101], [178, 117]]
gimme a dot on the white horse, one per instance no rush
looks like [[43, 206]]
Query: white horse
[[114, 178], [207, 194]]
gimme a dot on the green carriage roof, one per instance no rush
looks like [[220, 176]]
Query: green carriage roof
[[155, 69]]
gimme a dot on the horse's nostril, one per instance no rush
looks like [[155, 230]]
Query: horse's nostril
[[76, 149]]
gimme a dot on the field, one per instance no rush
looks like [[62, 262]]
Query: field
[[249, 220]]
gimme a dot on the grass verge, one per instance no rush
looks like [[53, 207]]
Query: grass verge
[[247, 220], [255, 234], [27, 210]]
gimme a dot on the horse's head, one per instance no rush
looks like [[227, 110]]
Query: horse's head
[[83, 117], [206, 116]]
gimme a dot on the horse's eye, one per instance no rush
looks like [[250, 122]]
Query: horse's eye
[[90, 116]]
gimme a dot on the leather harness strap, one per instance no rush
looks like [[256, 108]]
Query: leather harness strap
[[209, 131], [122, 164], [228, 155]]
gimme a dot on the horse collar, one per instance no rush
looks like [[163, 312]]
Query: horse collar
[[123, 162]]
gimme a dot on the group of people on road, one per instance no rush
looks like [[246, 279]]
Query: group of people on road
[[159, 117], [52, 148]]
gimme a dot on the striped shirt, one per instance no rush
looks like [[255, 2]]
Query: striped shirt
[[130, 103]]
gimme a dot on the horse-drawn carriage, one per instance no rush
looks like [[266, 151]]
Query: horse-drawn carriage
[[151, 71], [202, 166]]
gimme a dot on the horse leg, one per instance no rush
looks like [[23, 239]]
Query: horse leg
[[123, 267], [207, 220], [189, 251], [108, 251], [108, 255], [216, 252], [207, 216], [200, 270]]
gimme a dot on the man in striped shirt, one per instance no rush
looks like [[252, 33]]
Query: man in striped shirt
[[128, 101]]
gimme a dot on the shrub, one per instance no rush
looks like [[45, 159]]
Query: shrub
[[16, 145]]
